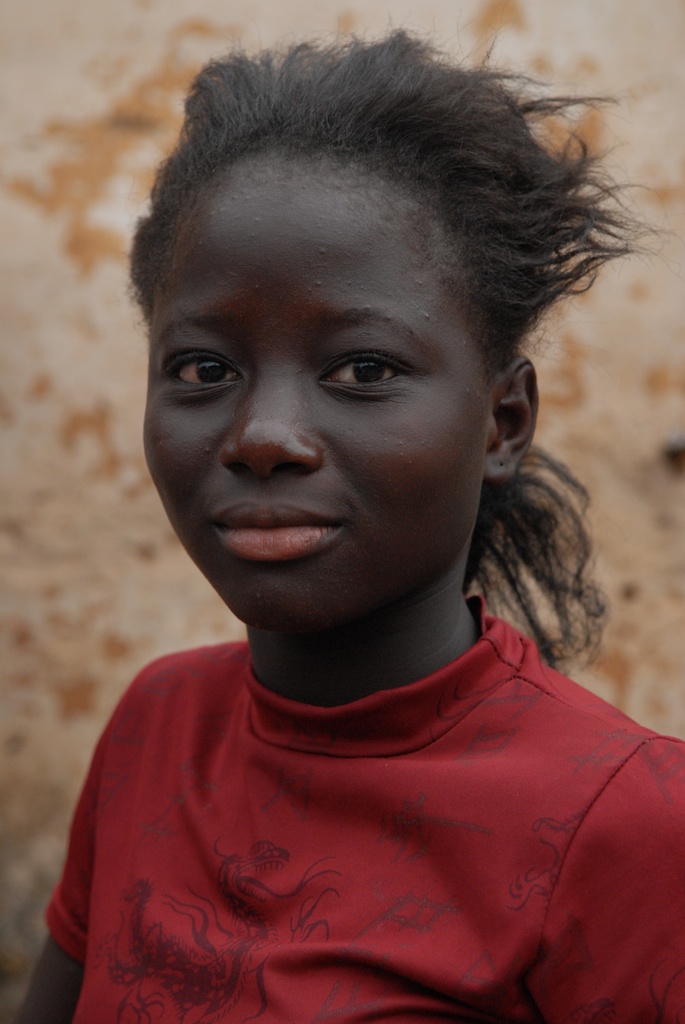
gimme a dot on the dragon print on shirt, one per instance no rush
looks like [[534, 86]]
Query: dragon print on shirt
[[199, 961]]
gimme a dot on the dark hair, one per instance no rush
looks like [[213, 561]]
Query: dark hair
[[529, 220]]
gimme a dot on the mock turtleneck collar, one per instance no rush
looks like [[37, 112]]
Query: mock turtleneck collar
[[395, 721]]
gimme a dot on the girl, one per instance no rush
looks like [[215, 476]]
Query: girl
[[387, 805]]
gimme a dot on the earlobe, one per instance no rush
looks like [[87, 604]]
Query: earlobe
[[512, 425]]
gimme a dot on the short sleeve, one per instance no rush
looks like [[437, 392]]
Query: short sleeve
[[68, 910], [613, 946]]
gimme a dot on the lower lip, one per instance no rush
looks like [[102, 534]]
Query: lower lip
[[277, 544]]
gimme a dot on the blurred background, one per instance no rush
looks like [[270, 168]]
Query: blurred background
[[93, 582]]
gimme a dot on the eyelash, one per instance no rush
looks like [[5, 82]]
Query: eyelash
[[176, 364], [380, 359]]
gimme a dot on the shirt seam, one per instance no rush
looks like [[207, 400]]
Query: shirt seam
[[600, 792]]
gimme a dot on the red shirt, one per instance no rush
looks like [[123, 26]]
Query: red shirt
[[491, 843]]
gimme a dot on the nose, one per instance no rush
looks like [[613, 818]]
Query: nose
[[270, 433]]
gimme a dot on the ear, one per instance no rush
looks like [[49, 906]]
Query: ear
[[512, 422]]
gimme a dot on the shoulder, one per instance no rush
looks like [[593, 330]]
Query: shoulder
[[567, 748], [182, 686], [206, 665], [570, 702], [177, 711]]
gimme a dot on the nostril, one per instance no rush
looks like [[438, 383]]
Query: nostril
[[289, 467], [259, 468], [268, 448]]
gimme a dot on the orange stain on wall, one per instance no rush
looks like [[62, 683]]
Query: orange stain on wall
[[96, 423], [40, 387], [76, 699], [98, 149], [6, 411], [115, 647], [617, 668], [591, 129], [21, 633], [347, 21], [499, 14], [587, 65], [661, 191], [663, 379], [565, 390], [667, 194], [558, 132]]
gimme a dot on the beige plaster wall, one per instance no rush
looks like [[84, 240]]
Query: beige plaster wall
[[93, 582]]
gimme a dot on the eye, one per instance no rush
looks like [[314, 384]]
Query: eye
[[363, 370], [196, 368]]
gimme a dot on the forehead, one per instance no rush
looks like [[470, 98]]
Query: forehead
[[312, 206]]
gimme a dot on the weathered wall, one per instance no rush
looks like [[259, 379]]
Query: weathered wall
[[94, 583]]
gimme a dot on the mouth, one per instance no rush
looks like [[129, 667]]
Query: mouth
[[261, 535], [276, 543]]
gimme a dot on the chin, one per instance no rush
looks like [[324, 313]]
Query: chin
[[273, 617], [289, 624]]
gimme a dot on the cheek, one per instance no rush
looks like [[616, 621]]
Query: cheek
[[447, 493], [429, 491], [446, 464], [159, 449], [173, 457]]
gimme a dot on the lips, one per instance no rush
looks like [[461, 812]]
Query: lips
[[273, 535], [279, 544]]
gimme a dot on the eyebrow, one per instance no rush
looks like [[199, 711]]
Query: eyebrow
[[362, 316], [352, 317], [206, 321]]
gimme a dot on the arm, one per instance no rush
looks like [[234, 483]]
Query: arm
[[54, 988]]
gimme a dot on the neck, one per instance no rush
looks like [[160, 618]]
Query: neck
[[392, 647]]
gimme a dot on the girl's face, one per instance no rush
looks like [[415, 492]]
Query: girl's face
[[319, 421]]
